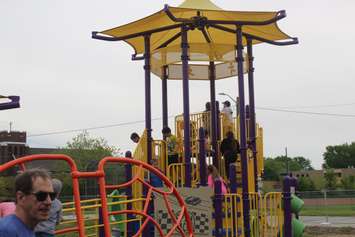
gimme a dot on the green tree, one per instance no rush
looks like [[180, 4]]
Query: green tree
[[87, 152], [340, 156], [330, 179], [306, 184], [7, 187], [303, 162], [348, 182], [273, 167]]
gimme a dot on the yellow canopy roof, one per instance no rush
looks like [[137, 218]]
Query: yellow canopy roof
[[220, 47]]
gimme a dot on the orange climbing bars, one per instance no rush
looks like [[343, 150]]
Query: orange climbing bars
[[100, 175]]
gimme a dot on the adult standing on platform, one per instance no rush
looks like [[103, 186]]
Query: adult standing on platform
[[230, 150]]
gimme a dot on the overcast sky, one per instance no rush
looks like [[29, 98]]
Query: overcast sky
[[67, 80]]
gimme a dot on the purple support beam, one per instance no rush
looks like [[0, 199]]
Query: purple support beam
[[185, 82], [243, 142], [202, 157], [287, 206], [148, 104], [164, 88], [14, 103], [233, 188], [252, 122], [233, 178], [218, 211], [213, 114], [218, 124]]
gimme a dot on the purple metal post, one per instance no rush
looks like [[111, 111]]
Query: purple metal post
[[233, 187], [101, 222], [164, 88], [202, 157], [218, 124], [233, 178], [185, 83], [212, 77], [243, 142], [218, 211], [287, 206], [252, 122], [148, 104]]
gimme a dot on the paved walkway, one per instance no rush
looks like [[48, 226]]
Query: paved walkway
[[333, 221]]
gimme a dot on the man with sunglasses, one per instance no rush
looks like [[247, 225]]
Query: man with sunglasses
[[47, 228], [34, 196]]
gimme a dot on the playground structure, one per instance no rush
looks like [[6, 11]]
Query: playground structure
[[195, 41]]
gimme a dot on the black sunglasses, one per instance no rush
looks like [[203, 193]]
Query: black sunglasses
[[42, 196]]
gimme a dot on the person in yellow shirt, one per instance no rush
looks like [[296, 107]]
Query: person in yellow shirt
[[171, 143]]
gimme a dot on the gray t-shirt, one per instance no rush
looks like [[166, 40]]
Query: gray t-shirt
[[55, 215]]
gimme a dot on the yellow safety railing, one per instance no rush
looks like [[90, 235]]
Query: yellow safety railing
[[266, 215], [233, 215], [255, 213], [90, 209], [272, 215], [197, 120], [251, 177], [227, 125], [160, 155], [260, 150], [176, 174], [140, 153]]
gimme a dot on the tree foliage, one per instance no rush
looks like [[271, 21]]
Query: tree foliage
[[348, 182], [306, 184], [87, 151], [330, 179], [340, 156], [7, 189], [273, 167]]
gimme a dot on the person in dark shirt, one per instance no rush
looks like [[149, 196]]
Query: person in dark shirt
[[34, 196], [230, 150]]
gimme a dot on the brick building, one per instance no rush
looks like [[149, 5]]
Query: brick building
[[13, 145]]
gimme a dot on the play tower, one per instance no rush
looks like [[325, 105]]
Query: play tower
[[194, 41], [200, 41]]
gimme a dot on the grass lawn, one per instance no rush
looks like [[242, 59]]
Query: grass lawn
[[333, 210], [316, 231]]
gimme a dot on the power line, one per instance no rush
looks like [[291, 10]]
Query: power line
[[313, 106], [172, 116], [306, 112], [90, 128], [93, 128]]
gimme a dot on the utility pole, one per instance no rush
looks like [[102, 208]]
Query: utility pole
[[287, 163], [10, 127]]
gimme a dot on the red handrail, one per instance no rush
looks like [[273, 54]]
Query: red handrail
[[169, 185], [75, 181], [100, 175]]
